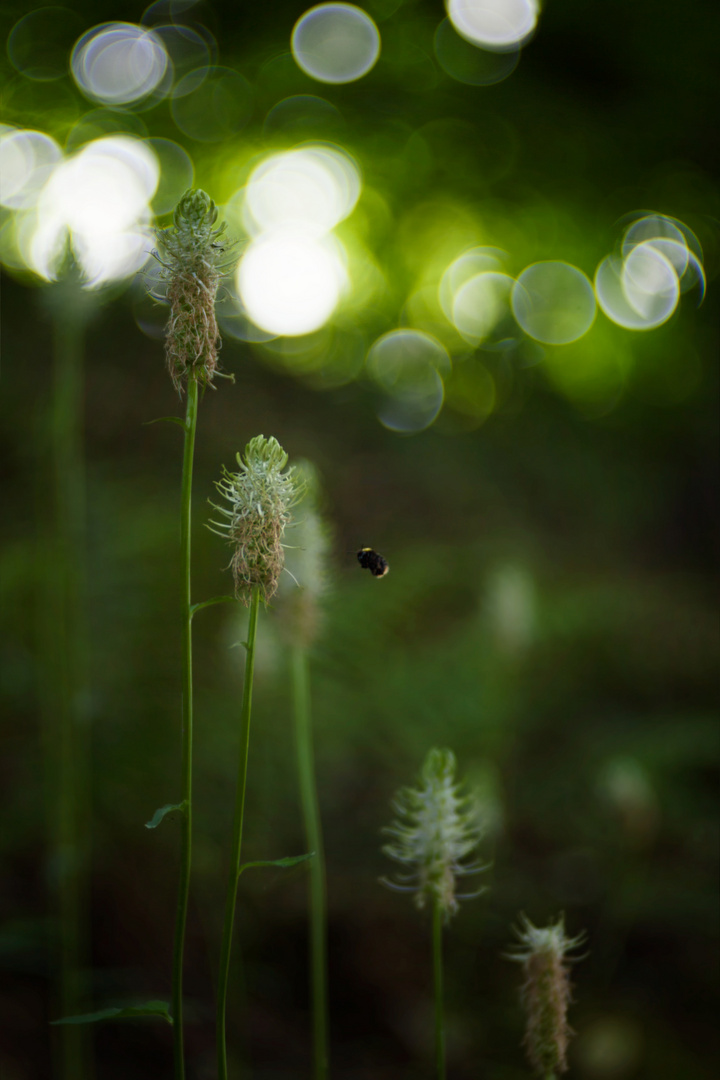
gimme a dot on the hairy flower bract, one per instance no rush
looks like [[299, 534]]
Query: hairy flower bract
[[546, 992], [260, 496], [437, 828]]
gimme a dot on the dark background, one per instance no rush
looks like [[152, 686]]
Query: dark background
[[586, 506]]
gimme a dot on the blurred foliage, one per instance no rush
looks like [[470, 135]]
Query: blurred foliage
[[549, 612]]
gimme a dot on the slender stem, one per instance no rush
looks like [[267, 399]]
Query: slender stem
[[313, 832], [187, 728], [438, 983], [237, 835], [64, 644]]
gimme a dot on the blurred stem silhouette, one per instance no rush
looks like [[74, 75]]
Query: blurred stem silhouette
[[313, 832], [234, 871], [63, 634], [187, 726], [438, 917]]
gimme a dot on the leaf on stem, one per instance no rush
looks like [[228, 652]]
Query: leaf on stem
[[150, 1008], [160, 814], [289, 860], [167, 420], [208, 603]]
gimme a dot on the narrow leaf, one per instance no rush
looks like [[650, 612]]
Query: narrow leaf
[[289, 860], [208, 603], [160, 814], [167, 420], [150, 1008]]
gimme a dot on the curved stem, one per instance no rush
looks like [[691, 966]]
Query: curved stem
[[234, 873], [313, 832], [187, 729], [438, 985]]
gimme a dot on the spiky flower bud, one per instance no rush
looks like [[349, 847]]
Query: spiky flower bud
[[307, 565], [192, 260], [436, 830], [546, 993], [260, 495]]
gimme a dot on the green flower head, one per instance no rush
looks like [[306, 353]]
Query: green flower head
[[193, 259], [259, 496]]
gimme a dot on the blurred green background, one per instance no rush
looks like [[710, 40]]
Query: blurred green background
[[550, 613]]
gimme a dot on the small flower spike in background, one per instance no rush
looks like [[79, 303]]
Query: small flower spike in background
[[192, 260], [260, 496], [437, 828], [546, 993]]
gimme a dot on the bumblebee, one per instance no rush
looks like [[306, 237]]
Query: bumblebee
[[370, 560]]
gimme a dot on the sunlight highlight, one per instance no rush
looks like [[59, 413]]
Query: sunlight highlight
[[335, 43], [27, 158], [119, 63], [312, 188], [290, 283], [498, 25], [100, 200]]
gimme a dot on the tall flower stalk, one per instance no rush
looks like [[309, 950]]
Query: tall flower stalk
[[191, 258], [436, 830], [301, 617], [546, 993], [258, 497], [63, 631]]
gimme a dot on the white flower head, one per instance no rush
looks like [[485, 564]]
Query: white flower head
[[437, 829]]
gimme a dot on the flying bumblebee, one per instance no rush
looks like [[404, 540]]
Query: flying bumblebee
[[372, 561]]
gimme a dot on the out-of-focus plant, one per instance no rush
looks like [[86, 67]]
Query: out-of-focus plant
[[436, 830], [301, 619], [546, 993], [260, 496]]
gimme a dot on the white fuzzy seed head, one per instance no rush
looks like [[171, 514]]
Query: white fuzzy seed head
[[437, 828]]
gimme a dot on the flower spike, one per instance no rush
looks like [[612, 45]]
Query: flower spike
[[546, 992], [260, 495], [192, 261], [437, 828]]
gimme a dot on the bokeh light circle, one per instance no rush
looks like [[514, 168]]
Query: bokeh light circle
[[118, 63], [494, 24], [291, 283], [641, 297], [311, 188], [212, 103], [481, 303], [467, 63], [554, 302], [39, 43], [675, 241], [474, 261], [27, 158], [335, 43], [408, 367], [100, 197]]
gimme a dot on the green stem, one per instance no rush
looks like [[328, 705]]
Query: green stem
[[64, 645], [313, 832], [438, 985], [237, 835], [187, 728]]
